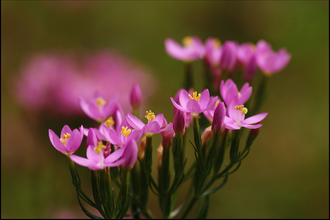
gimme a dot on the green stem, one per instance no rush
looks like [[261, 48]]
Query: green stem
[[189, 79]]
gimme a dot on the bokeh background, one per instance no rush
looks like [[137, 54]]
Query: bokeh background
[[286, 175]]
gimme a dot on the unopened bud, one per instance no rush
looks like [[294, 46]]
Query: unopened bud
[[107, 150], [179, 122], [142, 147], [207, 135], [159, 156], [219, 118], [135, 96]]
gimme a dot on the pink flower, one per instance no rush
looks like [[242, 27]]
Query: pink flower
[[53, 82], [228, 60], [218, 118], [155, 124], [70, 140], [192, 49], [213, 51], [130, 154], [236, 118], [194, 104], [167, 134], [247, 56], [98, 109], [229, 91], [269, 61], [97, 158], [122, 135]]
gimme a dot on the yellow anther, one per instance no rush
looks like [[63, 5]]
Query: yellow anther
[[150, 115], [217, 103], [239, 95], [99, 102], [109, 122], [241, 108], [125, 131], [216, 42], [187, 41], [65, 137], [244, 111], [99, 147], [195, 96]]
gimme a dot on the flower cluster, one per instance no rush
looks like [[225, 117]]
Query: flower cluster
[[120, 149]]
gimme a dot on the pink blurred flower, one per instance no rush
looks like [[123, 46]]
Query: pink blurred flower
[[229, 91], [194, 104], [70, 140], [269, 61], [53, 82], [192, 49], [247, 56], [228, 59], [213, 51]]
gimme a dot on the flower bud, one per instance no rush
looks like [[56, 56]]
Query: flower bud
[[107, 150], [159, 156], [207, 135], [179, 122], [142, 147], [228, 58], [166, 135], [135, 96], [250, 70], [130, 154], [219, 118]]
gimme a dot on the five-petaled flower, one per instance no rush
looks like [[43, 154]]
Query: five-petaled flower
[[229, 92], [155, 124], [237, 119], [98, 109], [194, 104], [69, 140], [192, 49]]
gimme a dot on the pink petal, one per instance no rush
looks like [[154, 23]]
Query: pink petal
[[66, 129], [84, 106], [193, 107], [56, 142], [252, 126], [184, 98], [255, 119], [73, 142], [174, 49], [168, 127], [80, 160], [204, 99], [92, 155], [152, 127], [245, 92], [115, 155], [110, 107], [134, 121], [178, 106], [211, 104], [159, 119]]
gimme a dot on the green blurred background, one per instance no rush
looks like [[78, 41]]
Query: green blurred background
[[286, 175]]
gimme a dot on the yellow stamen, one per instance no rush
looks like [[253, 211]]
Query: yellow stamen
[[195, 96], [241, 108], [65, 137], [239, 95], [217, 103], [187, 41], [125, 131], [100, 102], [150, 115], [109, 122], [99, 147], [216, 42]]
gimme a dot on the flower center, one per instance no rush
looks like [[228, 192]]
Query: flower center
[[100, 102], [150, 115], [216, 42], [187, 41], [125, 131], [99, 147], [65, 137], [241, 108], [109, 122], [195, 96]]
